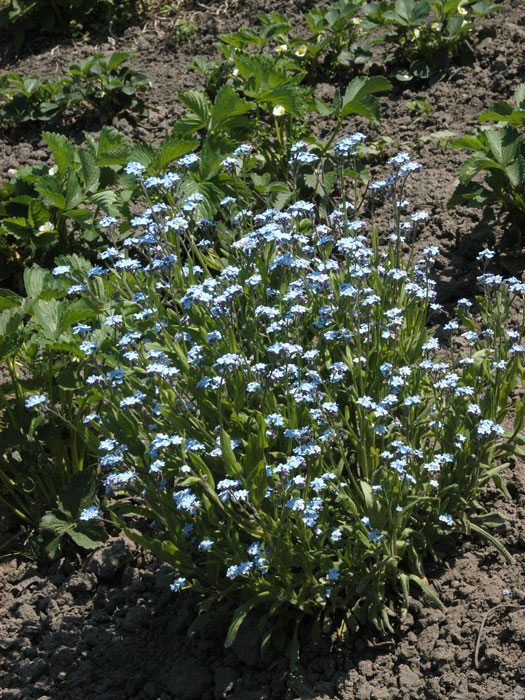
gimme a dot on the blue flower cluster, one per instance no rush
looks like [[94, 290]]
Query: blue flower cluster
[[310, 347]]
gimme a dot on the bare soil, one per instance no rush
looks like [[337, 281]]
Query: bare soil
[[99, 629]]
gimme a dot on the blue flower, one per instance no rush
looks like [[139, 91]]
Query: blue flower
[[76, 289], [107, 221], [178, 584], [134, 168], [230, 164], [90, 417], [89, 513], [366, 402], [239, 569], [61, 270], [81, 329], [347, 146], [333, 574], [485, 255], [188, 160], [136, 398], [36, 400], [117, 480], [192, 445], [487, 428], [96, 271], [243, 150], [229, 361], [187, 501], [399, 159], [274, 419]]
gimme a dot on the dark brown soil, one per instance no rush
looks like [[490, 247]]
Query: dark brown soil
[[99, 629]]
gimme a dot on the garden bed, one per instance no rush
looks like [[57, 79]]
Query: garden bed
[[98, 627]]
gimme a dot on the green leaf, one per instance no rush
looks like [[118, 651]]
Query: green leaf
[[50, 187], [367, 107], [504, 144], [51, 523], [49, 315], [105, 199], [141, 152], [493, 540], [238, 617], [63, 151], [214, 149], [83, 540], [76, 311], [428, 591], [74, 192], [233, 468], [52, 548], [485, 7], [170, 150], [227, 105], [116, 156], [116, 59], [519, 96], [454, 24], [108, 140], [186, 125], [89, 169], [36, 280], [515, 172], [499, 111], [198, 102], [465, 193], [37, 214], [79, 493], [472, 142], [473, 165], [286, 95], [11, 322], [83, 217], [322, 108], [166, 551], [9, 300], [362, 86]]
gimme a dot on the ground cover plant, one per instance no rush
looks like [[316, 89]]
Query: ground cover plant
[[58, 16], [42, 457], [281, 411], [99, 84], [44, 211], [499, 153], [423, 36], [52, 467], [419, 39]]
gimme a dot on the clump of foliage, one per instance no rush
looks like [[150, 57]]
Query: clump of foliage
[[498, 154], [336, 41], [60, 16], [45, 212], [424, 36], [42, 451], [275, 405], [99, 86], [268, 104], [421, 39]]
